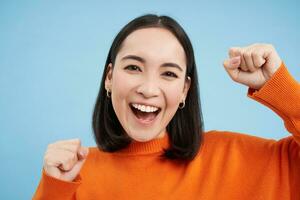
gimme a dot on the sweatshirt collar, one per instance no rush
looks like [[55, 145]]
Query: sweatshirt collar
[[153, 146]]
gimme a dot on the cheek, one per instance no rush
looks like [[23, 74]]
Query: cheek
[[121, 87], [173, 96]]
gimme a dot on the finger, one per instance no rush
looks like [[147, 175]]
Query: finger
[[243, 65], [234, 51], [67, 161], [73, 148], [248, 79], [236, 74], [237, 51], [248, 60], [71, 141], [55, 157], [83, 152], [71, 145], [258, 59], [74, 159], [232, 63], [232, 66]]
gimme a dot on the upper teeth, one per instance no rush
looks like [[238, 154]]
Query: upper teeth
[[145, 108]]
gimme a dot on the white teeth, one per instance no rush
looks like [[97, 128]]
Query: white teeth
[[145, 108], [148, 109]]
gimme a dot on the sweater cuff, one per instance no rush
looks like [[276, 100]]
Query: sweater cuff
[[281, 93], [53, 188]]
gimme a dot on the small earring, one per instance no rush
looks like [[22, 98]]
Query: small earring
[[182, 104], [108, 93]]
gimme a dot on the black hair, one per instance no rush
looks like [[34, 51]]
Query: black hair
[[186, 127]]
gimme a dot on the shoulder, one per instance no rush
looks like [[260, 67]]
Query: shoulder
[[238, 141], [231, 136]]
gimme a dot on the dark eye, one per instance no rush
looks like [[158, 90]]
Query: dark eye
[[132, 68], [171, 74]]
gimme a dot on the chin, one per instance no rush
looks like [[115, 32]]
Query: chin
[[142, 137]]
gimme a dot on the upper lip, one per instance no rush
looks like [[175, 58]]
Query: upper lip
[[146, 104]]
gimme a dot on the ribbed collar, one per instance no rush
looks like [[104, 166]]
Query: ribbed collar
[[149, 147]]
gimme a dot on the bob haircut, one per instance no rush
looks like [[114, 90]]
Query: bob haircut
[[185, 129]]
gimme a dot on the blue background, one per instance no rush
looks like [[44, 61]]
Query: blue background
[[52, 55]]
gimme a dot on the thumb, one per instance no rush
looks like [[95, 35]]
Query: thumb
[[231, 66], [83, 152], [232, 63]]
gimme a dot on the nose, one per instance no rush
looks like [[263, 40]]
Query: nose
[[148, 88]]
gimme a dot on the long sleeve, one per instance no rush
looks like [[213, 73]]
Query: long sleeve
[[282, 94], [51, 188]]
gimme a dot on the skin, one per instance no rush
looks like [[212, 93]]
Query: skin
[[252, 66], [148, 82]]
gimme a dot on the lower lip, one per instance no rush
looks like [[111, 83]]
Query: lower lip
[[144, 122]]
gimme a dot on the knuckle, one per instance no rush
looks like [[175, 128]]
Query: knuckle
[[247, 54], [78, 142], [75, 141], [50, 146], [233, 51], [270, 46], [73, 148], [47, 160], [255, 54]]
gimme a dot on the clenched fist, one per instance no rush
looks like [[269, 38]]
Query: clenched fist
[[64, 159], [252, 65]]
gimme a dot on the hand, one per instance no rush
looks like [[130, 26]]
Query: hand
[[252, 65], [64, 159]]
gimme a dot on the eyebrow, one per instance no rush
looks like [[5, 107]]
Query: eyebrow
[[142, 60]]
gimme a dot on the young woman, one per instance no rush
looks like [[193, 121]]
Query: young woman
[[148, 127]]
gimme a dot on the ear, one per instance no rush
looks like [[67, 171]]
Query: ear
[[108, 77], [187, 85]]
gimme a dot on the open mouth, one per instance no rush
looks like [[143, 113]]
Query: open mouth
[[144, 116]]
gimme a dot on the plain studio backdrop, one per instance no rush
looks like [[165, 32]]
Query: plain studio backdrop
[[52, 55]]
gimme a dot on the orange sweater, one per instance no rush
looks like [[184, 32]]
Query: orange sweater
[[228, 166]]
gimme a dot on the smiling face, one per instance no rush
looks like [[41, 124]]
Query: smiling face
[[149, 70]]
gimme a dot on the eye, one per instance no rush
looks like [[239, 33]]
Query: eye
[[132, 68], [171, 74]]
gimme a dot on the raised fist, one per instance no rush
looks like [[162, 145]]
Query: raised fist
[[64, 159], [252, 65]]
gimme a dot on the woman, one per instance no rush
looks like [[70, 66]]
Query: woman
[[149, 130]]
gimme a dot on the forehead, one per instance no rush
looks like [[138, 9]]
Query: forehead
[[153, 44]]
